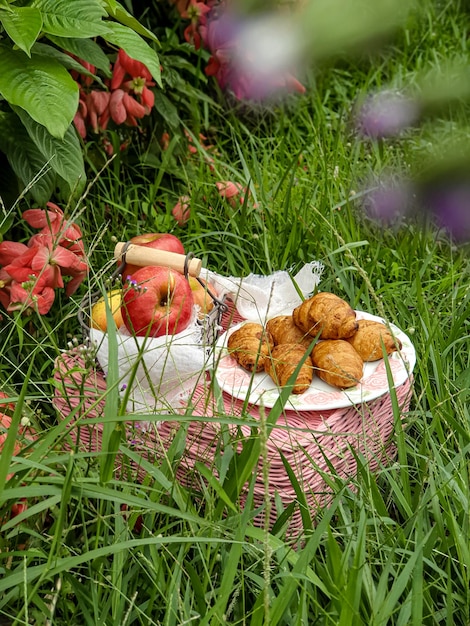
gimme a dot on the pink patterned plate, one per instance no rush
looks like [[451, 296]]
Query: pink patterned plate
[[260, 389]]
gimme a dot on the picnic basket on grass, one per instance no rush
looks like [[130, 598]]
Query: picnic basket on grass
[[316, 436]]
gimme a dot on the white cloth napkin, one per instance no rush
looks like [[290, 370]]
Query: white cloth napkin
[[259, 298], [163, 371]]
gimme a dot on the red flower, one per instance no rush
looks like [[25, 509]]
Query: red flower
[[39, 218], [126, 65], [117, 110], [192, 35], [30, 296], [195, 11], [7, 406], [84, 79], [133, 107], [147, 98], [80, 116], [10, 250], [96, 107], [30, 274]]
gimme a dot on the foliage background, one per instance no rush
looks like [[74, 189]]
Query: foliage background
[[393, 546]]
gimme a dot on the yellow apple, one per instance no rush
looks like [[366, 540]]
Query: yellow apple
[[201, 295], [98, 311]]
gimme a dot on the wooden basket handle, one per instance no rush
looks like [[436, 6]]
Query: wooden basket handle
[[142, 256]]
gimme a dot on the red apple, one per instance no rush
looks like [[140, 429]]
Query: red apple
[[158, 241], [201, 295], [157, 301]]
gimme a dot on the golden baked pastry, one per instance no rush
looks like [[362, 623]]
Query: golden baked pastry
[[369, 339], [337, 363], [327, 314], [284, 330], [284, 359], [250, 345]]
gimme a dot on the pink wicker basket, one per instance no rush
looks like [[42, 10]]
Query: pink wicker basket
[[314, 443]]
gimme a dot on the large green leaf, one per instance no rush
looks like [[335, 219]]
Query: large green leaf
[[41, 86], [64, 155], [120, 14], [72, 18], [65, 59], [135, 46], [25, 159], [85, 49], [22, 25]]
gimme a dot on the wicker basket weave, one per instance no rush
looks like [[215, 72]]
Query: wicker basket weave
[[313, 442]]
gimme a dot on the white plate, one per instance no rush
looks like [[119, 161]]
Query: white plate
[[261, 389]]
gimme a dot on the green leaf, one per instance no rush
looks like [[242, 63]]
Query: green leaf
[[166, 109], [135, 46], [80, 18], [64, 155], [123, 16], [23, 25], [65, 59], [85, 49], [25, 159], [112, 430], [41, 86]]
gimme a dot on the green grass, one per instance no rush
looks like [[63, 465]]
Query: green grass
[[392, 548]]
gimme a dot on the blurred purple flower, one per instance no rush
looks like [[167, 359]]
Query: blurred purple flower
[[221, 30], [450, 205], [385, 114], [388, 202], [253, 58]]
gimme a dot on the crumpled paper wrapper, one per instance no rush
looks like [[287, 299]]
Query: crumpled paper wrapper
[[162, 372]]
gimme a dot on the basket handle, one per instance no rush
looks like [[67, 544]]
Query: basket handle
[[142, 255]]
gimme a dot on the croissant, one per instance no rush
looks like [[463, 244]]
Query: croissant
[[250, 345], [337, 363], [370, 337], [284, 359], [283, 330], [327, 314]]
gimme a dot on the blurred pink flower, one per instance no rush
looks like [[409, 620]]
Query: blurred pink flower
[[182, 210]]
